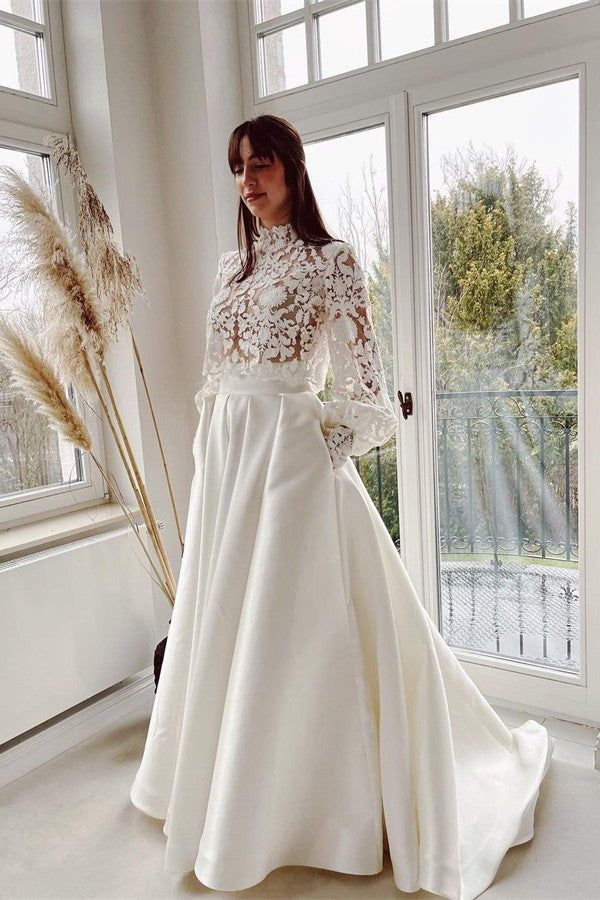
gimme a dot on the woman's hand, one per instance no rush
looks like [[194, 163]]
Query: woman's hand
[[339, 442]]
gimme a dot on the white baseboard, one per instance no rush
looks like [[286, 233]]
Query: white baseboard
[[26, 753]]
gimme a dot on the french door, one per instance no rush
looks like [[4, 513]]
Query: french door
[[501, 288], [472, 210]]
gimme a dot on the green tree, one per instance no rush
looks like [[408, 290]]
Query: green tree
[[504, 275]]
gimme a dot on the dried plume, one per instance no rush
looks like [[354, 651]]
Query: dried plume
[[34, 377], [46, 262], [116, 274]]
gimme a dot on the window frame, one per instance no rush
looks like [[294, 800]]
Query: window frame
[[423, 104], [44, 28], [510, 678], [312, 9], [25, 120]]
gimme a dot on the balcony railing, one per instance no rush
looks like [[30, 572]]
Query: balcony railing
[[508, 521], [507, 473]]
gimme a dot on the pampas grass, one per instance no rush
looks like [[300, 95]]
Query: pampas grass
[[83, 298], [50, 266], [32, 375], [116, 275]]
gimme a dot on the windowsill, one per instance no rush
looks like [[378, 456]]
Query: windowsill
[[33, 537]]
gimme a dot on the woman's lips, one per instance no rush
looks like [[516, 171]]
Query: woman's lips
[[254, 197]]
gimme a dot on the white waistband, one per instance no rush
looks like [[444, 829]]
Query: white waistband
[[252, 384]]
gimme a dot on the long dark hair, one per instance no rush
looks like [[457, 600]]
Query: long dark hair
[[270, 136]]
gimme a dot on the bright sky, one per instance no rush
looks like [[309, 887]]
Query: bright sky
[[333, 163], [540, 123]]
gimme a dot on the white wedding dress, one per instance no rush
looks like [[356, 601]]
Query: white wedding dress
[[308, 711]]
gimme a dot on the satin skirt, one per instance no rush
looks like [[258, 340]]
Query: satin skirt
[[308, 711]]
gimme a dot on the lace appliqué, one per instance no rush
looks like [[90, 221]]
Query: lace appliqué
[[339, 440], [304, 307], [359, 395]]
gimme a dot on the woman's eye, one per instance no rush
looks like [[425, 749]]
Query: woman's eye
[[260, 166]]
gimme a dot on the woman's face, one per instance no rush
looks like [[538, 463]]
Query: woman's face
[[262, 187]]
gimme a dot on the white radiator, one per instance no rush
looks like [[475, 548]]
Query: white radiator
[[74, 620]]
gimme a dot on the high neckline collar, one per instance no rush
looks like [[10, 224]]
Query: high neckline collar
[[275, 236]]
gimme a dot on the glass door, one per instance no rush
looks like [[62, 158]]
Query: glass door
[[500, 245], [503, 213], [465, 204]]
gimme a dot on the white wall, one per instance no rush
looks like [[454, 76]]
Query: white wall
[[195, 92], [155, 147], [224, 110]]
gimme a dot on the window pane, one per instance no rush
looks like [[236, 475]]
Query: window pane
[[337, 55], [32, 455], [284, 58], [503, 208], [471, 16], [269, 9], [405, 27], [19, 60], [349, 176], [25, 8], [537, 7]]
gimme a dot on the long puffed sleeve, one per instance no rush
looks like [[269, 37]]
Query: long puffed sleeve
[[360, 408], [213, 343]]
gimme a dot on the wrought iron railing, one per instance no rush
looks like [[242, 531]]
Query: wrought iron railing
[[508, 516], [378, 470], [507, 473]]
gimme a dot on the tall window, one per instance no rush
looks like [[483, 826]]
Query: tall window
[[40, 472]]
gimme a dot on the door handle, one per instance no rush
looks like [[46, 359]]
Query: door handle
[[406, 403]]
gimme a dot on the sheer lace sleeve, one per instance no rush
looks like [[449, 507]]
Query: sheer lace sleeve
[[360, 402], [212, 345]]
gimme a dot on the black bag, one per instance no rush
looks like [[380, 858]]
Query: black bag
[[159, 655]]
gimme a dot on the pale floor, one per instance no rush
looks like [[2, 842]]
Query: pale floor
[[68, 830]]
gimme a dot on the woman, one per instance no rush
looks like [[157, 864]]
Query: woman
[[308, 711]]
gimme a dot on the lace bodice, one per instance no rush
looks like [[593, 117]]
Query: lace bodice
[[304, 307]]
